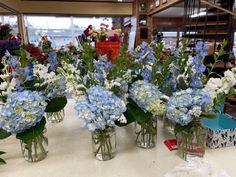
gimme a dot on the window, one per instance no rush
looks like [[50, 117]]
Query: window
[[60, 30], [11, 20]]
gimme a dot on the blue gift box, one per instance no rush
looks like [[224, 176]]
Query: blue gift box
[[221, 131]]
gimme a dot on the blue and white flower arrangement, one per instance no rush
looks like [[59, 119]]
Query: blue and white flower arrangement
[[148, 97], [101, 109], [187, 105], [22, 111]]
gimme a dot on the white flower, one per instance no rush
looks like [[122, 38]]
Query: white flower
[[122, 119], [196, 111], [7, 54], [3, 86], [4, 76]]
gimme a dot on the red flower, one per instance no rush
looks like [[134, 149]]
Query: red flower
[[34, 52]]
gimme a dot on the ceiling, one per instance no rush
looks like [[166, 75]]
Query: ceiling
[[85, 0]]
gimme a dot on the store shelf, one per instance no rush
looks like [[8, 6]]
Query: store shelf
[[70, 155]]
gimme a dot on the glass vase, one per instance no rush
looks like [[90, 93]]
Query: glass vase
[[36, 149], [55, 117], [192, 143], [146, 133], [169, 125], [104, 143]]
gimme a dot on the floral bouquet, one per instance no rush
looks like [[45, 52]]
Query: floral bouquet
[[219, 88], [99, 112], [186, 108], [23, 115], [145, 103], [54, 88]]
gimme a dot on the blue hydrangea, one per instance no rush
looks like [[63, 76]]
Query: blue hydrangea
[[145, 54], [148, 97], [147, 74], [52, 58], [56, 88], [188, 104], [100, 77], [101, 109], [22, 111], [102, 64]]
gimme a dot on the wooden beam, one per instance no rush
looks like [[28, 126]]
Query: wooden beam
[[21, 28], [165, 6], [218, 7], [4, 6]]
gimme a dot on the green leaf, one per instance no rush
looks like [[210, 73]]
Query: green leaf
[[4, 134], [1, 152], [208, 115], [2, 162], [134, 113], [138, 113], [182, 83], [56, 104], [33, 132]]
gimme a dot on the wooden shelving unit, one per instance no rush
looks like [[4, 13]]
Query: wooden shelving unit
[[207, 23]]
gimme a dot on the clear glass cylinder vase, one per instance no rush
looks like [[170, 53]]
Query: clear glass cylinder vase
[[192, 143], [55, 117], [36, 149], [146, 133], [104, 143], [169, 125]]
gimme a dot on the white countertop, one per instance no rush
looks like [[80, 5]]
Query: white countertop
[[70, 155]]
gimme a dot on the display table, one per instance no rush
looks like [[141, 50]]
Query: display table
[[70, 154]]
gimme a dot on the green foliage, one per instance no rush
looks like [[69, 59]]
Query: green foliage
[[182, 83], [134, 113], [2, 162], [4, 134], [89, 53], [56, 104], [179, 128], [123, 63], [208, 115], [33, 132], [216, 59], [23, 57]]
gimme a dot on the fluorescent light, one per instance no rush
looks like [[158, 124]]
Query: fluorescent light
[[198, 14]]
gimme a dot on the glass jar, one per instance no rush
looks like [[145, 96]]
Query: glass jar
[[36, 149], [169, 125], [55, 117], [104, 143], [192, 143], [146, 133]]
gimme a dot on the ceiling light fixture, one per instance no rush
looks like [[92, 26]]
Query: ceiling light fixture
[[119, 0]]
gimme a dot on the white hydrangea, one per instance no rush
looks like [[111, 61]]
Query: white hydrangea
[[196, 111], [3, 86], [217, 86]]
